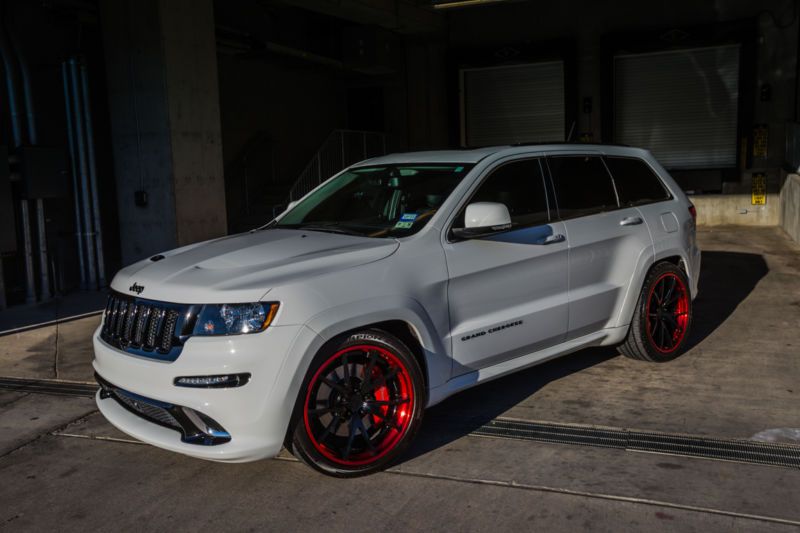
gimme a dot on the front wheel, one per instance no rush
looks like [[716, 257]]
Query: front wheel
[[660, 326], [360, 406]]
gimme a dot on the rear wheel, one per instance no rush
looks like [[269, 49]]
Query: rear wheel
[[361, 405], [663, 316]]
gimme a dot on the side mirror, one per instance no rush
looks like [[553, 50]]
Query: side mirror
[[484, 218]]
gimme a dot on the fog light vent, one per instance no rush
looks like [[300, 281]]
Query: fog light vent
[[213, 382]]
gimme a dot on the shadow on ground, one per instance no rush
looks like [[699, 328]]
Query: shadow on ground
[[726, 279]]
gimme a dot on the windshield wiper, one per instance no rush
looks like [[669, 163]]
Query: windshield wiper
[[329, 228]]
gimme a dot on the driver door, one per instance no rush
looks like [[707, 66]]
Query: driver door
[[508, 293]]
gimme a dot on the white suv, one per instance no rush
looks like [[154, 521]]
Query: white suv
[[393, 285]]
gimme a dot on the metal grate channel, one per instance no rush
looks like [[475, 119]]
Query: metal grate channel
[[743, 451], [43, 386]]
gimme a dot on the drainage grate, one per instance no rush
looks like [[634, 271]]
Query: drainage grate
[[45, 386], [743, 451]]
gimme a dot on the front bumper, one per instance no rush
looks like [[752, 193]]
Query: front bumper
[[256, 415]]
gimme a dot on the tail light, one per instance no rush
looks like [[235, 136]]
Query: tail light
[[693, 211]]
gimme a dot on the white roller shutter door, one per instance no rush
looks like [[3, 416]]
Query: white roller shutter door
[[681, 105], [512, 104]]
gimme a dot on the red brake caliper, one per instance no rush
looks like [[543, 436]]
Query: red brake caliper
[[381, 395]]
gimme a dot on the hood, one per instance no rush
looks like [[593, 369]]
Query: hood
[[243, 268]]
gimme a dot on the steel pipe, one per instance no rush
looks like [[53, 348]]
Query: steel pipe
[[17, 132], [75, 185], [44, 274], [98, 236], [30, 295], [33, 138], [82, 164]]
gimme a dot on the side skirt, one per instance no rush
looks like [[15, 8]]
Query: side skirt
[[604, 337]]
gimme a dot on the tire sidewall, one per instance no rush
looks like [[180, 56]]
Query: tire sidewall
[[299, 440]]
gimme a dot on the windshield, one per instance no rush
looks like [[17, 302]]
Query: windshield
[[382, 201]]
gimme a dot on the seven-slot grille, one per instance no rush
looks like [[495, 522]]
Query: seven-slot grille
[[142, 326]]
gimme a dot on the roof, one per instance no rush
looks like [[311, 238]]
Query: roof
[[476, 154]]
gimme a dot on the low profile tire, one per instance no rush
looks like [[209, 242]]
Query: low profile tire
[[663, 316], [360, 406]]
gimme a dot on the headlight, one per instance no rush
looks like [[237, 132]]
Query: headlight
[[234, 319]]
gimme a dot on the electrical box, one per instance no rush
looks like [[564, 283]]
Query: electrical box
[[44, 171], [8, 227]]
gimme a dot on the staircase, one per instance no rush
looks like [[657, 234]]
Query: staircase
[[341, 149]]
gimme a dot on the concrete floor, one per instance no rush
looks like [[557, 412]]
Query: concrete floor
[[64, 467]]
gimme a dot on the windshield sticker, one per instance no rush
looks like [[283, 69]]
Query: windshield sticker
[[406, 221]]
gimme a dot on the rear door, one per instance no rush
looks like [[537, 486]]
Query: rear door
[[507, 293], [606, 241]]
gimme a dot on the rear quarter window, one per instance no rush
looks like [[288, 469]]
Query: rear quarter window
[[636, 182], [582, 185]]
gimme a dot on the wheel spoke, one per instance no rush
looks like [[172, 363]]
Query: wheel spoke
[[364, 434], [668, 296], [368, 370], [350, 437], [333, 427], [336, 386], [346, 367]]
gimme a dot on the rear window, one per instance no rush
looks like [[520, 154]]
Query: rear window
[[636, 182], [583, 185]]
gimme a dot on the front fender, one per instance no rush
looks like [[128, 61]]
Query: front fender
[[337, 320]]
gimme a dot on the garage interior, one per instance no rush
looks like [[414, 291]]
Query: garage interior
[[132, 127]]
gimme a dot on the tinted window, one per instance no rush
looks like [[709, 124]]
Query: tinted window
[[582, 184], [518, 185], [636, 182]]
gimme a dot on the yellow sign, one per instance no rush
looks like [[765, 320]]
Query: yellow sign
[[759, 188]]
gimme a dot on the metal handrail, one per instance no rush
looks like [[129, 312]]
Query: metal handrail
[[340, 149]]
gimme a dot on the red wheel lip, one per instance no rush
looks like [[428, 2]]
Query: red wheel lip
[[403, 373], [683, 302]]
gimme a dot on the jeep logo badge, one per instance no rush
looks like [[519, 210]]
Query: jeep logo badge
[[136, 288]]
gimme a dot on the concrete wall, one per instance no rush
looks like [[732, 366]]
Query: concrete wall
[[163, 102], [790, 207], [736, 209], [139, 126], [192, 93]]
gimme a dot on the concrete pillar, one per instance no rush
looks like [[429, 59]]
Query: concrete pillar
[[161, 66], [426, 75]]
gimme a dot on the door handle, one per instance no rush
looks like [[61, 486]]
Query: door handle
[[630, 221], [552, 239]]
